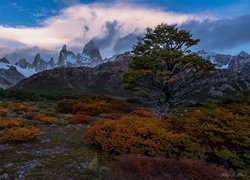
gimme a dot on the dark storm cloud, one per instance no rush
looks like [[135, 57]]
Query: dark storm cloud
[[111, 30], [125, 43], [221, 34]]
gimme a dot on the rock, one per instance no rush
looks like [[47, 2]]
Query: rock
[[92, 51]]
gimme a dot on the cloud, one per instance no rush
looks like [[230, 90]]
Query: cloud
[[76, 25], [68, 2], [222, 34], [29, 54]]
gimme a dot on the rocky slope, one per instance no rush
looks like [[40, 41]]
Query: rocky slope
[[239, 63], [102, 79], [9, 75], [107, 79]]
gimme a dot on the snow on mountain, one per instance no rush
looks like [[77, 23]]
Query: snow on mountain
[[238, 63], [90, 57]]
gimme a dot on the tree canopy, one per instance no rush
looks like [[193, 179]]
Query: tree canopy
[[164, 69]]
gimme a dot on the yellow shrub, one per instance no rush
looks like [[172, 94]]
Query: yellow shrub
[[97, 106], [10, 123], [137, 135], [20, 133], [45, 118], [20, 107]]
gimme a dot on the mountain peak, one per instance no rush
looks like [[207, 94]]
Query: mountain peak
[[23, 63], [64, 48], [4, 60], [243, 54], [92, 51]]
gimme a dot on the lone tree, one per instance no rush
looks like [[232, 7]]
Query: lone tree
[[164, 70]]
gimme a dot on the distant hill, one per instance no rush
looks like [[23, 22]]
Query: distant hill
[[102, 79], [106, 79]]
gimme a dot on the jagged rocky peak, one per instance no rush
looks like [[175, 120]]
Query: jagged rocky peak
[[64, 56], [39, 64], [4, 60], [243, 54], [23, 63], [51, 62], [92, 51], [64, 48]]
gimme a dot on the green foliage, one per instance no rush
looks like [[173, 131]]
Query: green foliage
[[65, 106], [163, 63]]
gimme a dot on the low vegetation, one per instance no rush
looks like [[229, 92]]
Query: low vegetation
[[43, 118], [20, 133], [210, 140], [20, 107], [135, 167], [140, 135], [82, 119], [7, 123]]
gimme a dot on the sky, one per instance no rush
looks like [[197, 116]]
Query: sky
[[31, 26]]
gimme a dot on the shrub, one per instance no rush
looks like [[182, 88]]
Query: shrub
[[20, 133], [96, 106], [65, 106], [222, 130], [81, 118], [143, 113], [3, 112], [135, 135], [10, 123], [41, 117], [141, 167], [20, 107]]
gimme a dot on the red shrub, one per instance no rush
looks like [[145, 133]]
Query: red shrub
[[81, 118], [142, 167]]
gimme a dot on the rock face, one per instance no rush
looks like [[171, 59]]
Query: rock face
[[23, 64], [102, 79], [92, 51], [39, 64], [51, 63], [9, 75], [90, 57], [4, 60], [239, 63]]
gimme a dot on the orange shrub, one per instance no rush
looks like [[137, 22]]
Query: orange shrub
[[10, 123], [20, 133], [135, 167], [45, 118], [96, 106], [143, 113], [81, 118], [20, 107], [3, 112], [222, 129], [135, 135]]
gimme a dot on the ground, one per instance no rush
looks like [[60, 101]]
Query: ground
[[59, 152]]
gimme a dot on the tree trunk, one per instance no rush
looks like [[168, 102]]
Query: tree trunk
[[163, 110]]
